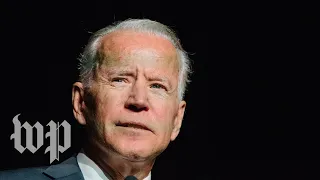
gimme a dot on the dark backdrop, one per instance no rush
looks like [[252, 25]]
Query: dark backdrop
[[248, 111]]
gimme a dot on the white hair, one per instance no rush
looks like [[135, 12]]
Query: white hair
[[89, 59]]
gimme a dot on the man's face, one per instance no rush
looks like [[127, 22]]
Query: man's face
[[135, 95]]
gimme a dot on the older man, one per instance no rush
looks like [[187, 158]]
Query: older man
[[129, 97]]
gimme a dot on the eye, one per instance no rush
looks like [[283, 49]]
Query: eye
[[119, 79], [158, 86]]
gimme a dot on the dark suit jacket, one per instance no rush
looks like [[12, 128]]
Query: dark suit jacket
[[66, 170], [69, 170]]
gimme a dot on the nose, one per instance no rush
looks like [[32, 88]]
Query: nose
[[138, 99]]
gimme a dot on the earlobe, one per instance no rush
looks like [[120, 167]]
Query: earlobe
[[178, 120], [78, 102]]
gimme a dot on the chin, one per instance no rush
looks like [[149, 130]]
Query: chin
[[141, 153], [136, 148], [135, 157], [137, 153]]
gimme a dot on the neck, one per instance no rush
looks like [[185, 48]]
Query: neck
[[114, 165]]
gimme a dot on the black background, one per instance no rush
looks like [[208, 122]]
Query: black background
[[249, 105]]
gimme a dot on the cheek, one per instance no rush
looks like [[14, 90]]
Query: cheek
[[109, 104], [165, 114]]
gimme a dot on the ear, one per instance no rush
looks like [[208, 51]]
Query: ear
[[78, 102], [178, 120]]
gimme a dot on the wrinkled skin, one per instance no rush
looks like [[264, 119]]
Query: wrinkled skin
[[132, 108]]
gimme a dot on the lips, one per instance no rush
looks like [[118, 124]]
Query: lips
[[133, 125]]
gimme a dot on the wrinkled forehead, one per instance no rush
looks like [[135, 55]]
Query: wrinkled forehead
[[126, 43]]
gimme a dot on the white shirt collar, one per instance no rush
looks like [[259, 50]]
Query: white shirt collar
[[91, 171]]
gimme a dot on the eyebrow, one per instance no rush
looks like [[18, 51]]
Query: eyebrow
[[121, 72], [160, 79], [128, 72]]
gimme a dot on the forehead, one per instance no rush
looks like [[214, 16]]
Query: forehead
[[127, 42]]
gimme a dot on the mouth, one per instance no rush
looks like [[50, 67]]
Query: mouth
[[133, 125]]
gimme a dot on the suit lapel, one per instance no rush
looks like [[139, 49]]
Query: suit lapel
[[67, 170]]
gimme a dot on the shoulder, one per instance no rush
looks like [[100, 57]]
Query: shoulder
[[33, 173], [68, 168]]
